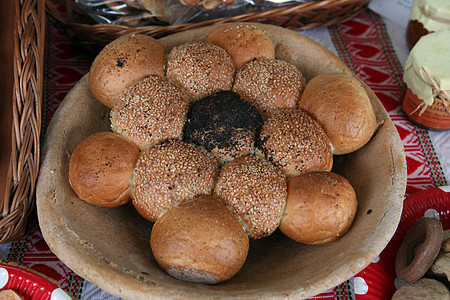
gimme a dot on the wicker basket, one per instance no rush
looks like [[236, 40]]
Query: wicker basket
[[21, 112], [313, 14]]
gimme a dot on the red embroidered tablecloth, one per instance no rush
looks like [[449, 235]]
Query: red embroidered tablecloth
[[363, 43]]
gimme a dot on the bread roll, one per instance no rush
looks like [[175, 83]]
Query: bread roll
[[10, 294], [224, 124], [255, 191], [200, 69], [270, 84], [295, 143], [424, 288], [199, 241], [342, 107], [122, 63], [320, 207], [151, 111], [101, 167], [169, 173], [243, 42]]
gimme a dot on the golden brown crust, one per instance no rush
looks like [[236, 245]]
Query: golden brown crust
[[169, 173], [270, 84], [255, 191], [342, 107], [295, 143], [200, 240], [200, 69], [151, 111], [122, 63], [243, 42], [101, 167], [320, 207]]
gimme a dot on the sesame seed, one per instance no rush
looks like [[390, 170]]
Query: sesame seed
[[200, 69], [168, 173]]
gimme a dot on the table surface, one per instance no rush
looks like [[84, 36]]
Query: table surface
[[374, 48]]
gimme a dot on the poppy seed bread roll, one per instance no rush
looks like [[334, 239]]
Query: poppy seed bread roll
[[168, 173], [342, 107], [151, 111], [200, 69], [270, 84], [295, 142], [200, 241], [101, 168], [224, 124], [255, 191], [320, 207], [243, 42], [122, 63]]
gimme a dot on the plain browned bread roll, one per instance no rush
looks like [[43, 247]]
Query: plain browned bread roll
[[122, 63], [342, 107], [270, 84], [224, 124], [320, 207], [101, 167], [243, 42], [200, 241], [295, 142], [200, 69], [150, 111], [169, 173], [255, 191]]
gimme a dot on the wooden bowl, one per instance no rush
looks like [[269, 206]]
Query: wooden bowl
[[110, 246]]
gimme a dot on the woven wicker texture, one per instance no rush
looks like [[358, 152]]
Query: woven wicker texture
[[29, 43], [309, 15]]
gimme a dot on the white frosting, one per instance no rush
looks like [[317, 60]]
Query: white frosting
[[429, 58], [433, 14]]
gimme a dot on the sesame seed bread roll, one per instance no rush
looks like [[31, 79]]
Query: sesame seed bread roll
[[150, 111], [101, 168], [243, 42], [295, 142], [270, 84], [342, 107], [200, 69], [122, 63], [200, 241], [169, 173], [255, 191], [320, 207], [224, 124]]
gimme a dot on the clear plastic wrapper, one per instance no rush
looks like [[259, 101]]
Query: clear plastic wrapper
[[126, 12], [147, 12]]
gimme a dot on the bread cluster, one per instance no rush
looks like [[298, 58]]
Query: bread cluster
[[221, 142]]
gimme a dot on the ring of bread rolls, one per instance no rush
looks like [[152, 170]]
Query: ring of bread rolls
[[172, 178], [418, 250]]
